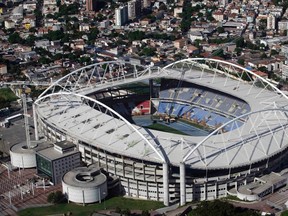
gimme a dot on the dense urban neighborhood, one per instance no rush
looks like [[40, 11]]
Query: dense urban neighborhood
[[41, 41]]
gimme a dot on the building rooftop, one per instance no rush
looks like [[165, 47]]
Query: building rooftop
[[84, 177], [51, 153]]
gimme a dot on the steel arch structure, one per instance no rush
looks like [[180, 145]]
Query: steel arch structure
[[67, 100], [99, 75], [261, 136], [109, 74], [260, 130]]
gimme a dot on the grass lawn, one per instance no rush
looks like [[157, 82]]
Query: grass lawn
[[7, 94], [164, 128], [285, 213], [112, 203]]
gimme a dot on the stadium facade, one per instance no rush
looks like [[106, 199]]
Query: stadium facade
[[232, 123]]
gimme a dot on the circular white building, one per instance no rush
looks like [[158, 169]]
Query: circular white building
[[231, 125], [85, 185], [22, 156]]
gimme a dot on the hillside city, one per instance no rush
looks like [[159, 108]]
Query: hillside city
[[44, 40]]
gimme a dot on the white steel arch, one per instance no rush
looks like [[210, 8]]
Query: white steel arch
[[99, 75], [217, 66], [109, 74], [272, 121], [108, 111], [194, 68]]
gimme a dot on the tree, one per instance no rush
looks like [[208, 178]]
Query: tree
[[241, 61], [220, 29], [55, 197], [240, 42], [126, 212], [273, 52], [263, 55], [145, 213], [238, 51], [15, 38], [221, 208], [148, 51], [136, 35], [263, 69], [262, 24]]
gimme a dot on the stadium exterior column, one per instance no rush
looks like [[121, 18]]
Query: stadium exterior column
[[182, 184], [123, 167], [35, 122], [133, 170], [106, 163], [137, 186], [216, 190], [165, 184], [115, 172], [157, 191], [128, 186], [144, 177]]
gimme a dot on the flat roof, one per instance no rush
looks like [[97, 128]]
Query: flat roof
[[51, 154], [84, 177], [65, 144]]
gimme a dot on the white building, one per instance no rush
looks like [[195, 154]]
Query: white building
[[3, 69], [121, 15], [283, 25], [146, 3], [271, 22], [134, 9]]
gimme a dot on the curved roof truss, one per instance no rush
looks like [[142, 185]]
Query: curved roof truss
[[264, 134], [108, 124]]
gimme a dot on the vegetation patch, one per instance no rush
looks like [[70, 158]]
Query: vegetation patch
[[220, 208], [6, 96], [76, 209]]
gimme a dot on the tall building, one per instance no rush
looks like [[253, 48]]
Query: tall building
[[91, 5], [146, 3], [134, 9], [223, 2], [271, 22], [121, 15]]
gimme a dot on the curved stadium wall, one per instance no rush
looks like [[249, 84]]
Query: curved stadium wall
[[176, 166]]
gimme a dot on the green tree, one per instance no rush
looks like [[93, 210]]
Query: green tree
[[262, 24], [15, 38], [241, 61], [50, 197], [126, 212], [220, 29], [273, 52], [220, 208], [55, 197], [136, 35], [145, 213], [240, 42], [148, 51]]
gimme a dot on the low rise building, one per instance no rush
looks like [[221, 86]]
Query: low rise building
[[55, 161]]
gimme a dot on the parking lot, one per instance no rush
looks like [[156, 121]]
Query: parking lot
[[15, 134]]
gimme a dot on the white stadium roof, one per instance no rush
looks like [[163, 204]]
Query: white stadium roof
[[263, 135]]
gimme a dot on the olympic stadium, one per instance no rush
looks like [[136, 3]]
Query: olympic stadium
[[191, 130]]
